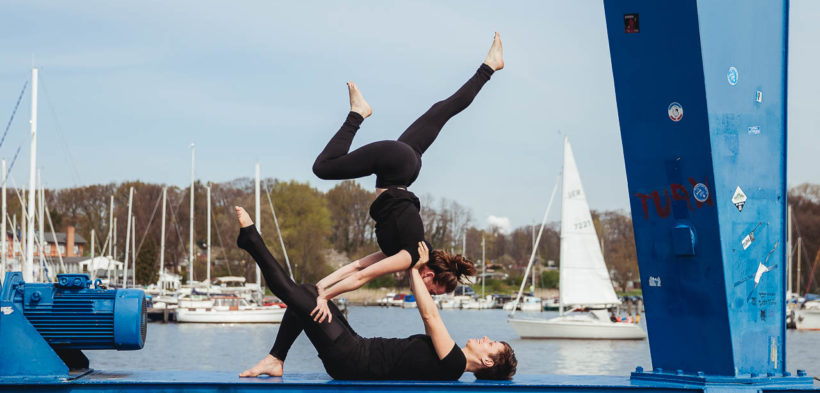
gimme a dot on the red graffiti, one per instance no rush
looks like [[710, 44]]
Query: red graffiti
[[677, 192]]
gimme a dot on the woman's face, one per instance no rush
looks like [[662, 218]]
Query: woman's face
[[484, 347]]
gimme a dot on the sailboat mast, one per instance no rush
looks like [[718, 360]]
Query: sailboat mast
[[537, 240], [3, 244], [208, 220], [258, 220], [110, 231], [134, 250], [483, 264], [162, 242], [799, 248], [127, 238], [28, 267], [191, 226], [114, 248], [41, 197]]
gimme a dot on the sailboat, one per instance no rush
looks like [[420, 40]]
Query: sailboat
[[585, 286]]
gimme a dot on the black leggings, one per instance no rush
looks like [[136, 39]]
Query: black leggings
[[301, 300], [395, 163]]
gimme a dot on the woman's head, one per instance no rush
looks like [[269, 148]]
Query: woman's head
[[497, 358], [447, 271]]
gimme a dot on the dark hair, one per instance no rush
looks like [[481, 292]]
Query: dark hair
[[449, 269], [504, 365]]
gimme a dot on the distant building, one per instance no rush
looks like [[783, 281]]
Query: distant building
[[66, 244]]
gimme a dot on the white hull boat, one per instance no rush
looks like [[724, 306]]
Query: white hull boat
[[586, 326], [584, 282], [449, 303], [808, 318], [256, 315], [478, 304], [527, 304], [227, 310]]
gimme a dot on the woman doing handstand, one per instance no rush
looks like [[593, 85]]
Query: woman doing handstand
[[396, 165], [346, 355]]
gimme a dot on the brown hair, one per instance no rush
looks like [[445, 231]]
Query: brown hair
[[449, 269], [504, 365]]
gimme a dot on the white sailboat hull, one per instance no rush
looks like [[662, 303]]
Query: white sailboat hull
[[807, 319], [271, 315], [576, 328]]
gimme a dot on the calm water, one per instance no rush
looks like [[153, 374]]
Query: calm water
[[236, 347]]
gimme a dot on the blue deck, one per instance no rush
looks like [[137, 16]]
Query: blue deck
[[201, 381]]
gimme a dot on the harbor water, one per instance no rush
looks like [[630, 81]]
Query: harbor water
[[237, 347]]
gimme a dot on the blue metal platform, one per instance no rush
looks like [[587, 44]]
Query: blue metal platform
[[201, 381]]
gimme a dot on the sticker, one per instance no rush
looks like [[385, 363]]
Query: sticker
[[631, 24], [761, 268], [731, 76], [759, 96], [700, 192], [773, 350], [739, 199], [675, 111], [753, 130], [6, 310], [747, 241], [654, 281]]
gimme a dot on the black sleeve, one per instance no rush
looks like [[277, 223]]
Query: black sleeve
[[455, 360]]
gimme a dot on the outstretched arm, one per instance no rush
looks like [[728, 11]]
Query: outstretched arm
[[392, 264], [347, 270], [433, 324]]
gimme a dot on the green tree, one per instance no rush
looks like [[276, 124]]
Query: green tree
[[147, 267], [352, 229], [549, 279], [305, 223]]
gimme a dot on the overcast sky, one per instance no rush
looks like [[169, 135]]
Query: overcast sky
[[125, 88]]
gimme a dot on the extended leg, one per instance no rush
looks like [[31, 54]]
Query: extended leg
[[298, 298], [421, 134]]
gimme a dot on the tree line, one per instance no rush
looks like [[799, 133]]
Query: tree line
[[322, 230]]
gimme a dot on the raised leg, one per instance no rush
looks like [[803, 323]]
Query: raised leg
[[300, 299], [421, 134]]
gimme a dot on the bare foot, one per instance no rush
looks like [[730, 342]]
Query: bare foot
[[243, 217], [495, 59], [357, 102], [267, 366]]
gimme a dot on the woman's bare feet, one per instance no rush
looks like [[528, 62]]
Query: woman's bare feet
[[267, 366], [243, 217], [495, 59], [357, 102]]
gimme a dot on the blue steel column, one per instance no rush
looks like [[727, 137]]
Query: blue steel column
[[701, 90]]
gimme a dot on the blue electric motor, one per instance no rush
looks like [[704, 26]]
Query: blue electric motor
[[70, 314], [45, 326]]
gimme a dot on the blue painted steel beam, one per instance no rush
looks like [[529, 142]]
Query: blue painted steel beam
[[701, 93]]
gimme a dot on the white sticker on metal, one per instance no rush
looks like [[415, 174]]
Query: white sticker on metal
[[739, 199], [747, 241], [675, 111]]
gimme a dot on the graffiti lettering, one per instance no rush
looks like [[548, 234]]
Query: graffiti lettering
[[677, 192]]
